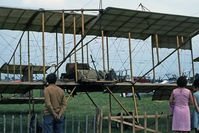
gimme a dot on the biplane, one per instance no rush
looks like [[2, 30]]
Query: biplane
[[165, 30]]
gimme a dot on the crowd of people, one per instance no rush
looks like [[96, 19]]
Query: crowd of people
[[180, 100]]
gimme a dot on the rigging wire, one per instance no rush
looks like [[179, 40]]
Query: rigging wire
[[143, 7], [192, 35], [35, 47], [97, 55], [50, 47], [131, 52], [111, 48], [113, 45], [164, 66], [118, 52], [149, 49], [14, 52], [87, 3], [69, 45], [172, 63], [37, 42], [14, 38], [7, 42], [2, 59], [142, 71], [136, 53]]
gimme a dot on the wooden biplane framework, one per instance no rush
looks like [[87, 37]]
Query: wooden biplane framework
[[167, 31]]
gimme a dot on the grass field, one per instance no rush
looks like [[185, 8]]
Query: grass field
[[83, 103], [80, 105]]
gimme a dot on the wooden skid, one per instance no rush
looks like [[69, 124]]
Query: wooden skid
[[21, 100]]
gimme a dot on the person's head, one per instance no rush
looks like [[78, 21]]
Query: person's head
[[182, 81], [51, 78], [196, 84]]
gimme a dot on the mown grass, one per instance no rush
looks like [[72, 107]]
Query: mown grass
[[80, 105], [81, 102]]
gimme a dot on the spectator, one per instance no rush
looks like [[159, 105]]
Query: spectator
[[55, 104], [179, 103], [195, 114]]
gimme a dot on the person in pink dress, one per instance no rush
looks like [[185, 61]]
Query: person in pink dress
[[179, 101]]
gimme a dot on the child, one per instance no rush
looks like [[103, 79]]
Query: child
[[195, 114]]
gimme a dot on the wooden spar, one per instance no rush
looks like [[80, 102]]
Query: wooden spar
[[63, 34], [57, 54], [157, 47], [107, 53], [122, 106], [14, 67], [20, 61], [82, 36], [153, 61], [87, 54], [192, 59], [131, 71], [43, 47], [103, 53], [74, 26], [7, 72], [29, 103], [179, 66], [71, 93], [110, 103], [182, 39], [28, 56]]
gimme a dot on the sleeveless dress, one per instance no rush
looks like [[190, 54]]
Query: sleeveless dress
[[181, 112], [195, 114]]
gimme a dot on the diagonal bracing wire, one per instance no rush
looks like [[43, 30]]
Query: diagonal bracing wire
[[192, 35], [62, 62]]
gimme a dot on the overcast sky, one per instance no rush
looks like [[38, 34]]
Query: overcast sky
[[180, 7], [184, 7]]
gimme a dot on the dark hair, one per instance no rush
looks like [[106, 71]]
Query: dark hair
[[51, 78], [182, 81], [196, 83]]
